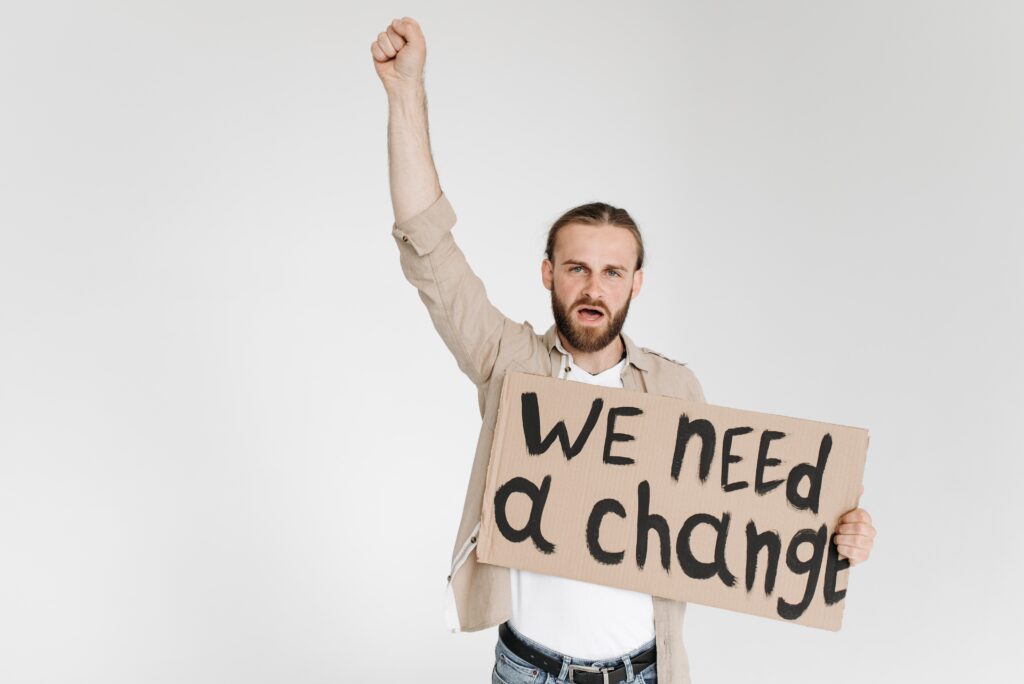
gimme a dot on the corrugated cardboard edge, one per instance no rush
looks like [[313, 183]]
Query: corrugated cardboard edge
[[835, 529], [483, 547]]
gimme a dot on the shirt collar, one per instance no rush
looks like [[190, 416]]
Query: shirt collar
[[634, 354]]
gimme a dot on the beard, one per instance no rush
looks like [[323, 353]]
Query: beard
[[587, 338]]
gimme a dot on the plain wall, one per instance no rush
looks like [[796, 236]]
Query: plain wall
[[234, 449]]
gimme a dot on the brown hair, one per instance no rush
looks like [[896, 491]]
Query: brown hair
[[596, 214]]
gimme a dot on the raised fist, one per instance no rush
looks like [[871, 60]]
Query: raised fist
[[399, 53]]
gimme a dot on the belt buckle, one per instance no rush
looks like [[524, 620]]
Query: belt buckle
[[589, 668]]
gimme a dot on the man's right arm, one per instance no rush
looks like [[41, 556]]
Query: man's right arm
[[413, 177], [471, 327]]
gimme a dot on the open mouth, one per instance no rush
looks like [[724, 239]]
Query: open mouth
[[588, 314]]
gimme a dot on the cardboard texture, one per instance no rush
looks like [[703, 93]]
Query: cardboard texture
[[679, 499]]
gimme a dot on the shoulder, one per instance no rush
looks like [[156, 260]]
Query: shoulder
[[523, 347], [649, 351], [677, 373]]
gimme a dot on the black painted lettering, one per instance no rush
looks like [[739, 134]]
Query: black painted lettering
[[698, 569], [729, 457], [812, 568], [687, 429], [647, 521], [814, 474], [832, 567], [756, 542], [602, 508], [760, 486], [538, 497], [531, 428], [613, 436]]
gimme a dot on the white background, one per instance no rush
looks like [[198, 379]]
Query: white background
[[234, 449]]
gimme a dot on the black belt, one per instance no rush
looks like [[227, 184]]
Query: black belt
[[580, 674]]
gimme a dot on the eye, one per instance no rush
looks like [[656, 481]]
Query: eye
[[613, 272], [574, 268]]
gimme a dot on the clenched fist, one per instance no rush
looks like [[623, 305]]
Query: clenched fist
[[399, 53]]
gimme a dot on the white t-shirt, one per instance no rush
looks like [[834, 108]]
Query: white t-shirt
[[579, 618]]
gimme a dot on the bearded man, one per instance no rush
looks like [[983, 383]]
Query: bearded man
[[550, 628]]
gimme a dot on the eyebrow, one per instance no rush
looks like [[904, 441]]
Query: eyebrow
[[586, 265]]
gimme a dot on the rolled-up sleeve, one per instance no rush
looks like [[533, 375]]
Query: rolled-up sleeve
[[424, 230]]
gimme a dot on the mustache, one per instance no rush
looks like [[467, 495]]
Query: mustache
[[591, 305]]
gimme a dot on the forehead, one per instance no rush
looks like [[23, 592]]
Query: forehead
[[596, 245]]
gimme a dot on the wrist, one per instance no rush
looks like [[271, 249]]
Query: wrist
[[405, 89]]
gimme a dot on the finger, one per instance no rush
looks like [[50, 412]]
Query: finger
[[853, 540], [395, 39], [377, 53], [856, 515], [853, 554], [385, 44], [857, 528], [408, 28]]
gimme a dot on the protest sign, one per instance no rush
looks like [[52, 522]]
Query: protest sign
[[678, 499]]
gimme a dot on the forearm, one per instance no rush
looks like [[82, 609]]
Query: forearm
[[413, 177]]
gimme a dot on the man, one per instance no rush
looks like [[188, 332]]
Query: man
[[550, 628]]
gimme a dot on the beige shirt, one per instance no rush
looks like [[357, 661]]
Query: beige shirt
[[487, 344]]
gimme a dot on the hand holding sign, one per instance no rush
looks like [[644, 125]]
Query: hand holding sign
[[855, 535]]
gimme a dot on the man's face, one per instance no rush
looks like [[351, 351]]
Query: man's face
[[592, 282]]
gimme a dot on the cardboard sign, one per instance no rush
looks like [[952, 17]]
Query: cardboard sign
[[673, 498]]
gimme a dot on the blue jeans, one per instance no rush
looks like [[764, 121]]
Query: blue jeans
[[511, 669]]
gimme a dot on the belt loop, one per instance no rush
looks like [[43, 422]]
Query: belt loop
[[564, 672], [629, 668]]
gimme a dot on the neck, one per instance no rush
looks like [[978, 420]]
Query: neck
[[598, 361]]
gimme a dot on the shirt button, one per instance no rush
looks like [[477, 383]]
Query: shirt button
[[449, 578], [568, 369], [405, 238], [472, 540]]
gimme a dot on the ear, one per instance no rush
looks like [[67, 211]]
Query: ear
[[638, 281], [547, 274]]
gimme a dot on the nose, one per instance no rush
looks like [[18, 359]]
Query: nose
[[592, 289]]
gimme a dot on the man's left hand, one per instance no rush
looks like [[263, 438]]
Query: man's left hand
[[855, 535]]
